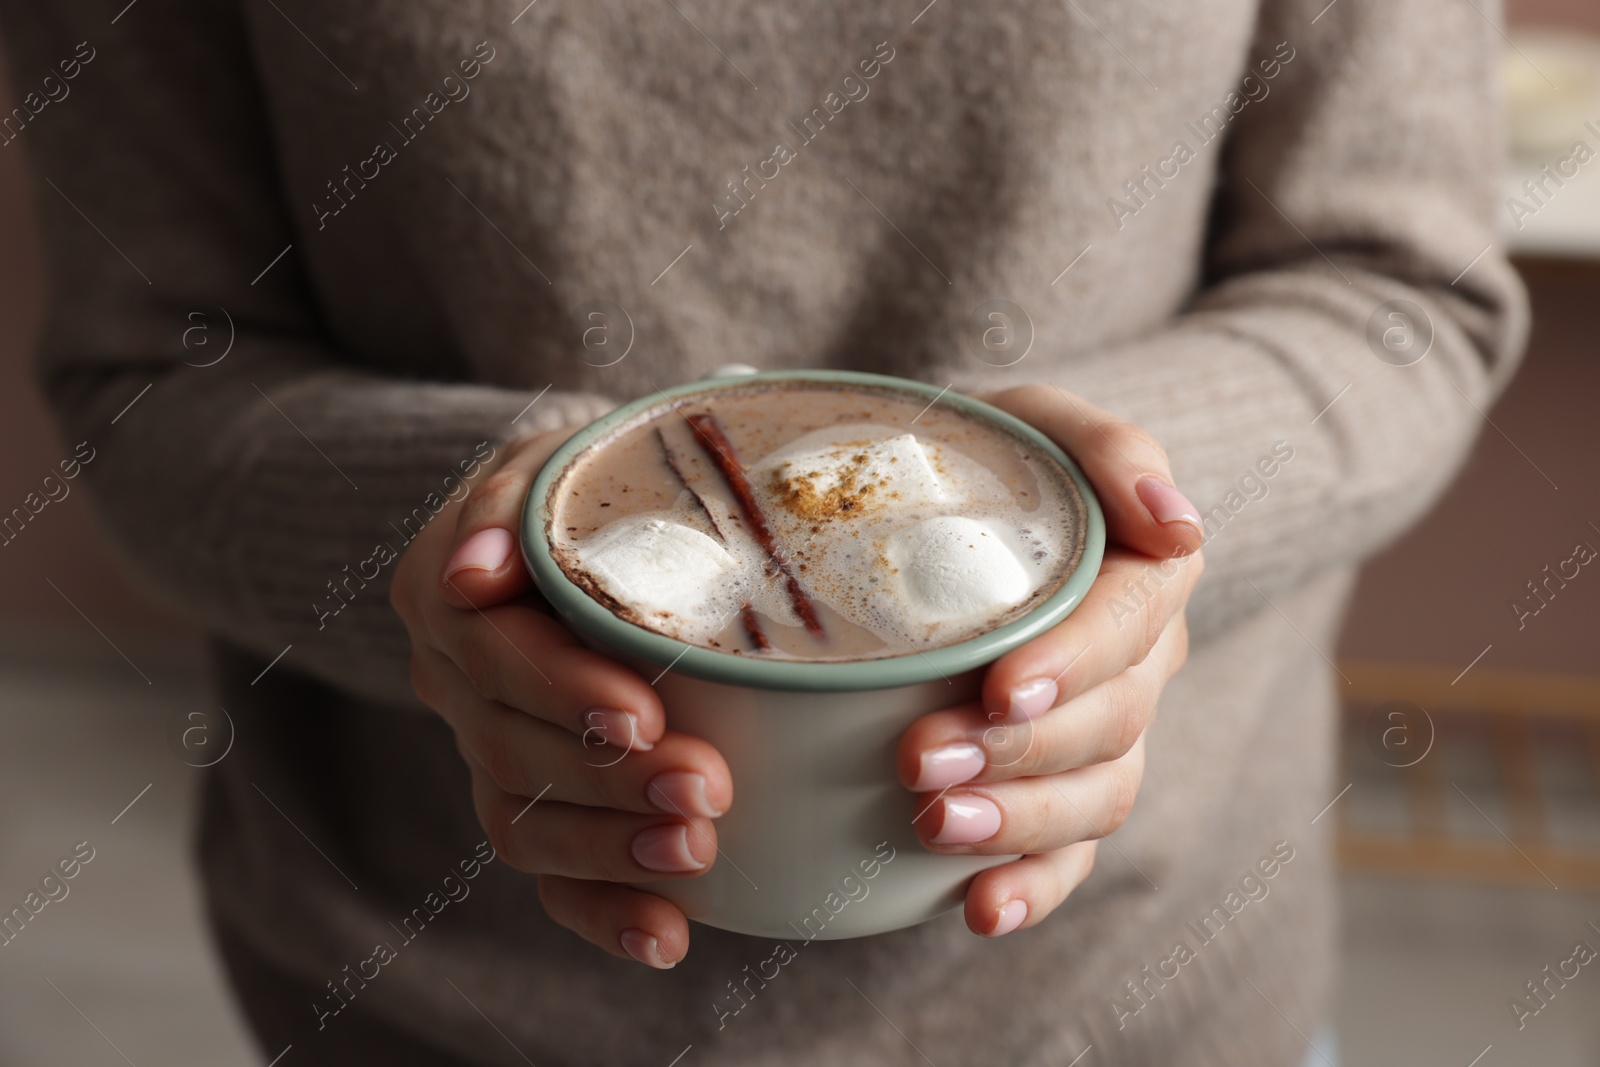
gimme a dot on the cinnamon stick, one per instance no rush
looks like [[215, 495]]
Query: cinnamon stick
[[672, 463], [708, 431], [752, 626]]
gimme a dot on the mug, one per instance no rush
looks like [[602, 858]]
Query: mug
[[818, 842]]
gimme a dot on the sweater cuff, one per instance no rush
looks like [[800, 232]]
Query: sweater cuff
[[272, 504]]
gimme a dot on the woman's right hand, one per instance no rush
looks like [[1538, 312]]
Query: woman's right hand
[[575, 776]]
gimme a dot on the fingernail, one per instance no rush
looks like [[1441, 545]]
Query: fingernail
[[949, 765], [644, 948], [1165, 503], [1032, 699], [681, 793], [666, 849], [620, 728], [486, 550], [1011, 917], [968, 820]]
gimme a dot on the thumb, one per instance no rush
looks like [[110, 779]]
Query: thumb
[[1126, 465]]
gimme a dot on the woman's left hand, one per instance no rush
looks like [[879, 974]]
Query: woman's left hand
[[1052, 756]]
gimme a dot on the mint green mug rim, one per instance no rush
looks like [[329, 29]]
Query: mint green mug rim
[[596, 621]]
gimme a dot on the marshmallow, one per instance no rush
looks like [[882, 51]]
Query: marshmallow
[[658, 567], [851, 469], [954, 570]]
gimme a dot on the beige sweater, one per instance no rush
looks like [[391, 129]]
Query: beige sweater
[[400, 213]]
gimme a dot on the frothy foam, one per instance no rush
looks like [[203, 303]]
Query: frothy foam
[[902, 540]]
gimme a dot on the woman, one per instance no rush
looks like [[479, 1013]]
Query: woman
[[1261, 238]]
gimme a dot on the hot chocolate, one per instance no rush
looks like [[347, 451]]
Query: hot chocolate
[[815, 521]]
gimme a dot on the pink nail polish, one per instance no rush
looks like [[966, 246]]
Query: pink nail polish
[[681, 793], [949, 765], [644, 948], [619, 728], [665, 849], [486, 550], [1165, 503], [1011, 917], [968, 820], [1032, 699]]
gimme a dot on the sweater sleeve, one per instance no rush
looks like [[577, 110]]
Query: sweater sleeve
[[265, 491], [1362, 188]]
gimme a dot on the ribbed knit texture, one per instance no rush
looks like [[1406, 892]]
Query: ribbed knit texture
[[1224, 306]]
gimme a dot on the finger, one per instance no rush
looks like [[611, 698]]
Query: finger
[[962, 744], [485, 566], [519, 656], [592, 697], [627, 923], [548, 837], [1128, 468], [1030, 815], [1131, 603], [1020, 894], [680, 775]]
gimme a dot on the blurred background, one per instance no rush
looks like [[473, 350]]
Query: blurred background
[[1466, 873]]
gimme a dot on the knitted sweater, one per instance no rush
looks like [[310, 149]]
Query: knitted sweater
[[395, 220]]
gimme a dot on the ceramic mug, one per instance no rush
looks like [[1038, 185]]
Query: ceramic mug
[[818, 842]]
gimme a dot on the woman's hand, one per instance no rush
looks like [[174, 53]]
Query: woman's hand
[[538, 717], [1051, 758]]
